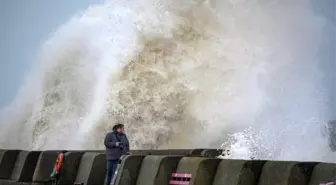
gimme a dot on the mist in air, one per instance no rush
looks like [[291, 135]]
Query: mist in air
[[253, 76]]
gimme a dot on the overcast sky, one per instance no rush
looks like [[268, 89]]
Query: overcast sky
[[25, 24]]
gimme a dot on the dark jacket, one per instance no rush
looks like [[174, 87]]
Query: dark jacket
[[112, 151]]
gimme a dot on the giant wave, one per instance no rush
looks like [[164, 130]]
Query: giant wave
[[180, 74]]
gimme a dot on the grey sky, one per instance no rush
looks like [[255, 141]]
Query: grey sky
[[25, 24]]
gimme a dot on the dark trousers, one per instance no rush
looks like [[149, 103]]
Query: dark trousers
[[111, 168]]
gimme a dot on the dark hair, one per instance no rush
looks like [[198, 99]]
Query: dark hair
[[117, 126]]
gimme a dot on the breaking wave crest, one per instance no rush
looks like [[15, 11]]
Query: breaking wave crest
[[180, 75]]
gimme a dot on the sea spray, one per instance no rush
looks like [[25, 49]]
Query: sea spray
[[180, 75]]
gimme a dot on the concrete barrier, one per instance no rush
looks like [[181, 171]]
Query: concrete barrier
[[197, 152], [185, 152], [323, 173], [202, 169], [25, 166], [89, 168], [95, 151], [141, 152], [23, 169], [282, 172], [128, 170], [156, 170], [86, 151], [45, 166], [212, 153], [92, 169], [70, 167], [238, 172], [7, 162]]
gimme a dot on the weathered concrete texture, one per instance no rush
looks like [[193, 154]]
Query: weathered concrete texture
[[95, 151], [23, 170], [141, 152], [151, 152], [202, 169], [323, 173], [157, 170], [70, 167], [92, 169], [25, 166], [171, 152], [184, 152], [128, 170], [197, 152], [45, 166], [85, 151], [7, 162], [211, 153], [238, 172], [286, 173]]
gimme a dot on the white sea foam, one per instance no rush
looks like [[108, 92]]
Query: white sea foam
[[180, 74]]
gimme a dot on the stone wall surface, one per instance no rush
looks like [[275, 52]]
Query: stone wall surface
[[323, 172], [7, 162], [238, 172], [284, 172], [151, 167], [92, 169], [156, 170]]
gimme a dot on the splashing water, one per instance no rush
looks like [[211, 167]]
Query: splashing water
[[180, 75]]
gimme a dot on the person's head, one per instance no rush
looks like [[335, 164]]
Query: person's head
[[118, 128]]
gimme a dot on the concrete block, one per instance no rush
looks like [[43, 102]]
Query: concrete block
[[286, 173], [157, 170], [323, 173], [238, 172], [141, 152], [45, 166], [184, 152], [92, 169], [69, 169], [197, 152], [85, 151], [96, 151], [7, 162], [212, 153], [25, 166], [128, 170], [202, 169]]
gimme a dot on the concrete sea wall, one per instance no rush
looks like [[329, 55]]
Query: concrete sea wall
[[154, 167]]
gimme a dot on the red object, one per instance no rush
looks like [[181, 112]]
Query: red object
[[58, 163], [180, 179], [183, 175]]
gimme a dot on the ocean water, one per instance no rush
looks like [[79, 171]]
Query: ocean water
[[244, 75]]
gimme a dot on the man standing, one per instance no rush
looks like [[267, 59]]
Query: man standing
[[116, 144]]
